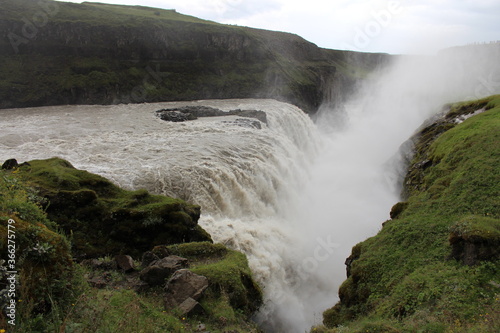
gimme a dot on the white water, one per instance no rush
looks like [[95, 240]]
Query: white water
[[293, 196]]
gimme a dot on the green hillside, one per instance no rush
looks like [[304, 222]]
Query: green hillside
[[60, 215], [435, 266], [64, 53]]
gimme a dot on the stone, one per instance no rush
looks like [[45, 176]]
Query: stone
[[10, 164], [124, 262], [182, 285], [186, 113], [147, 258], [158, 271], [161, 251], [190, 306]]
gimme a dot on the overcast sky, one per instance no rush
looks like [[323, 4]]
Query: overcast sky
[[405, 26]]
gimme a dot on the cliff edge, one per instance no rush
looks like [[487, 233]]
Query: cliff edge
[[434, 267]]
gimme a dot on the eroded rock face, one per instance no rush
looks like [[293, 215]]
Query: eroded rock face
[[184, 287]]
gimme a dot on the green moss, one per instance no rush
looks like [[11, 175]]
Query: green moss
[[46, 274], [105, 219], [407, 272], [230, 278], [53, 290], [478, 228]]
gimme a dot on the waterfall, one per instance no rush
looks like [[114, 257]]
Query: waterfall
[[249, 182], [294, 196]]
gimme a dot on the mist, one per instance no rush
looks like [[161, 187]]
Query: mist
[[295, 196], [356, 176]]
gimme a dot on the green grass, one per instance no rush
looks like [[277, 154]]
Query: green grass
[[230, 278], [406, 277], [53, 293], [118, 47]]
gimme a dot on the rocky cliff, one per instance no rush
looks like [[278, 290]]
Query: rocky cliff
[[64, 53], [434, 267]]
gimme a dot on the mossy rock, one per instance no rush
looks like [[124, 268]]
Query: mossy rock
[[475, 238], [230, 278], [398, 209], [105, 219]]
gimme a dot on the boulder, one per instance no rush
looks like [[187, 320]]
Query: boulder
[[148, 257], [124, 262], [10, 164], [183, 285], [161, 251], [158, 271], [190, 306]]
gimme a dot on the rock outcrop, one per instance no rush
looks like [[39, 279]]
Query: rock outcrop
[[104, 218], [187, 113]]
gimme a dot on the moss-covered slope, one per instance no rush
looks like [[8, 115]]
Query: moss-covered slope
[[435, 266], [52, 289], [102, 218], [65, 53]]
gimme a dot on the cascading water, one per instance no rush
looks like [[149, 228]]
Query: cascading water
[[248, 181], [294, 196]]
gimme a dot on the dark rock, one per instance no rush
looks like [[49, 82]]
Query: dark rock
[[397, 209], [475, 239], [186, 113], [10, 164], [147, 258], [182, 285], [176, 116], [161, 251], [124, 262], [190, 306], [158, 271]]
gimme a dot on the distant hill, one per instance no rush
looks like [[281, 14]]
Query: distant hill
[[64, 53]]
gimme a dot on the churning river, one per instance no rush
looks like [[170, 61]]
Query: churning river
[[294, 196]]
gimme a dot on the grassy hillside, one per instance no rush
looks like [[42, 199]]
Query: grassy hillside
[[90, 53], [435, 266], [58, 214]]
